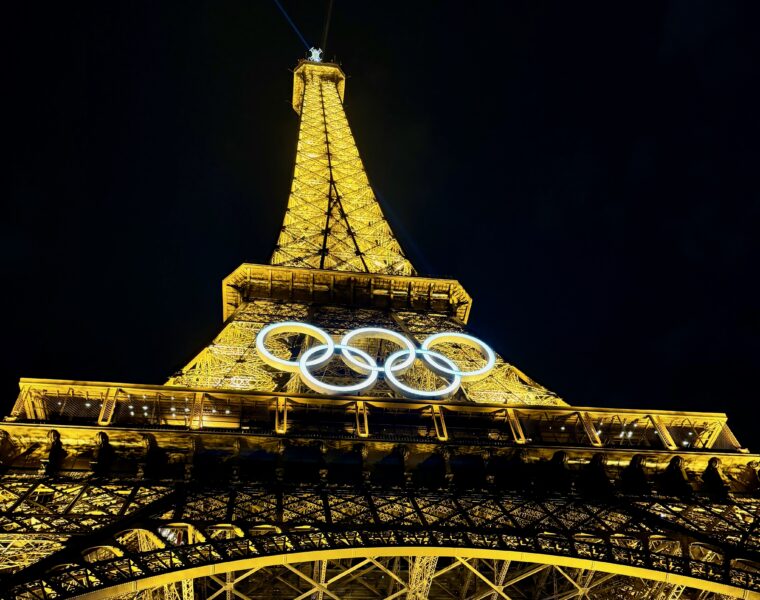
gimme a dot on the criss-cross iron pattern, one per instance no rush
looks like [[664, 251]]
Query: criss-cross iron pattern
[[231, 360], [194, 528], [381, 577], [31, 505], [333, 220]]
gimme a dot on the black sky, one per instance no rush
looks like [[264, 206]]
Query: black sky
[[589, 172]]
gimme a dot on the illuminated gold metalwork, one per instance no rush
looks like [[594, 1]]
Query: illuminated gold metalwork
[[333, 220], [338, 265], [233, 480], [231, 360]]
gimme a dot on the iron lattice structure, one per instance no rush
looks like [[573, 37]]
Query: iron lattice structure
[[234, 480], [333, 220]]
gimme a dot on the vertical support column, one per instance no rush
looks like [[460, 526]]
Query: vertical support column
[[281, 416], [187, 589], [319, 574], [707, 438], [421, 573], [34, 405], [446, 453], [726, 430], [108, 407], [20, 407], [662, 430], [514, 424], [196, 411], [439, 423], [590, 429], [362, 420]]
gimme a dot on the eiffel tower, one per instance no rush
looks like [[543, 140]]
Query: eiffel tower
[[344, 437]]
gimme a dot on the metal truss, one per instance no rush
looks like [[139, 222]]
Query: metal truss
[[41, 515], [18, 551], [344, 288], [54, 509], [333, 220], [485, 428], [450, 578], [507, 384], [206, 532], [231, 360], [421, 570]]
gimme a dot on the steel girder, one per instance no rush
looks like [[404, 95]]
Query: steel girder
[[231, 361], [454, 577], [200, 532], [333, 220]]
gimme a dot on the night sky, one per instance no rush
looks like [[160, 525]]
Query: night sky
[[588, 171]]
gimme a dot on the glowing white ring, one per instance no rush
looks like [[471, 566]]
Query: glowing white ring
[[292, 366], [327, 388], [458, 338], [375, 332], [361, 362], [402, 388]]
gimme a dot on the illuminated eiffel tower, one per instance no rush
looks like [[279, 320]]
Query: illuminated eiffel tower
[[345, 437]]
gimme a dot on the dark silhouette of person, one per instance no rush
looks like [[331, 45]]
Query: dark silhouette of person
[[747, 478], [104, 454], [56, 453], [593, 480], [633, 479], [674, 481], [155, 458], [713, 480]]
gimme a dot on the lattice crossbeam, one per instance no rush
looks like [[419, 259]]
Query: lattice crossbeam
[[629, 538], [333, 220]]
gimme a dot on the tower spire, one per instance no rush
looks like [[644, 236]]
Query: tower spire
[[333, 219]]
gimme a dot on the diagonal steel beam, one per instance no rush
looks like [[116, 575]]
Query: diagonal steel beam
[[319, 586], [570, 579], [498, 589]]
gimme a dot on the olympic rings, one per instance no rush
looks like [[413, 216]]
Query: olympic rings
[[361, 362], [380, 333], [401, 388], [458, 338], [291, 366], [325, 388]]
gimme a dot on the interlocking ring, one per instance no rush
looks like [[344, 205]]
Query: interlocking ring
[[379, 333], [361, 362], [326, 388], [458, 338], [401, 388], [291, 366]]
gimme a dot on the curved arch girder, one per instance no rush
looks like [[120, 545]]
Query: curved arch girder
[[249, 526], [85, 590]]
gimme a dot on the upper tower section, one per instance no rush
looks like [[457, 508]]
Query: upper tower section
[[333, 220]]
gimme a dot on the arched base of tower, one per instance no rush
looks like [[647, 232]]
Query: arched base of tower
[[279, 540], [414, 572]]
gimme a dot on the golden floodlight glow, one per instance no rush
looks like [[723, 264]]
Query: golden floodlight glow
[[425, 466], [317, 356], [333, 220]]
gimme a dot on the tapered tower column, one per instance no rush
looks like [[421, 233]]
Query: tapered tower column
[[333, 220]]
